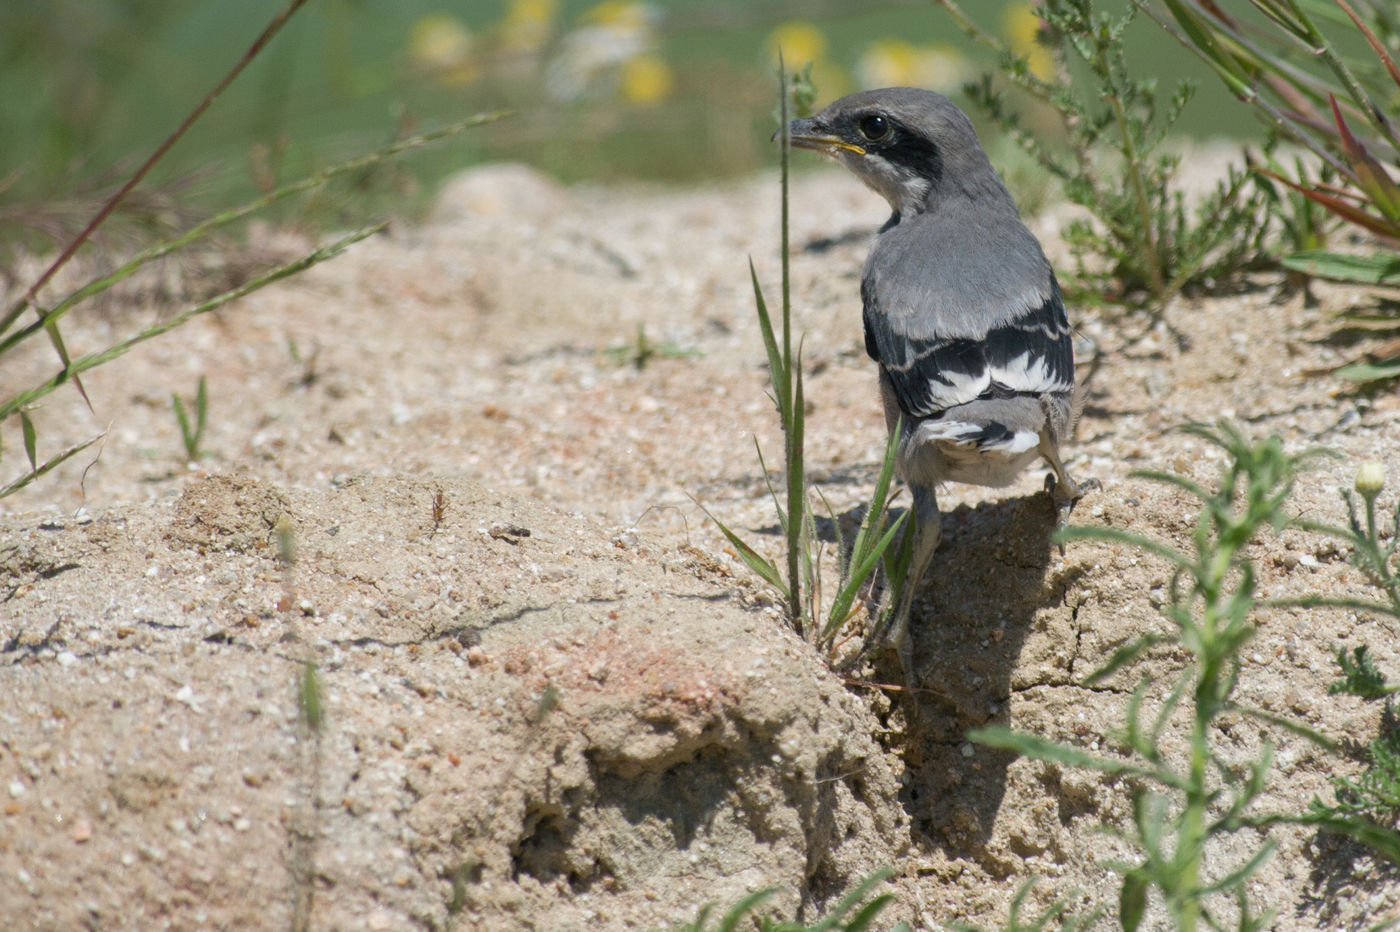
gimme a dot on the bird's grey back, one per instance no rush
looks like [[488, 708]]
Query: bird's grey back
[[957, 272]]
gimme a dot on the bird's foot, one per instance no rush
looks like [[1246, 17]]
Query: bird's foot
[[1065, 497], [900, 639], [897, 633]]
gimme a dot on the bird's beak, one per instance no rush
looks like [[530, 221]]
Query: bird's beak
[[807, 134]]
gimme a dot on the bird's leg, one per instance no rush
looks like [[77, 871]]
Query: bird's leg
[[928, 531], [1065, 490]]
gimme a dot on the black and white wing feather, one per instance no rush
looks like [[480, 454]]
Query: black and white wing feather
[[941, 349]]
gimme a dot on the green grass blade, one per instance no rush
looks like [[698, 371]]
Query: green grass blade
[[201, 230], [1167, 709], [887, 466], [761, 565], [37, 471], [796, 499], [31, 439], [861, 570], [1132, 899], [863, 556], [182, 419], [93, 360], [866, 915], [1378, 838], [784, 154], [748, 904], [835, 918], [1040, 749], [1171, 478], [1199, 34], [1287, 724], [778, 372], [201, 410], [50, 324], [772, 490], [1369, 372], [309, 697], [271, 29], [1379, 269], [1112, 535]]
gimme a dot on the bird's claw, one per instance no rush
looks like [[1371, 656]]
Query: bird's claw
[[899, 637], [1066, 499], [903, 643]]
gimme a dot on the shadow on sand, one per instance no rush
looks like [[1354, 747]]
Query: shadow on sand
[[988, 587]]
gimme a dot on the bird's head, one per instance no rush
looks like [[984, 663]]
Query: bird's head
[[908, 145]]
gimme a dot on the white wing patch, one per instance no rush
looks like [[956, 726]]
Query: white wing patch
[[953, 388], [1027, 373]]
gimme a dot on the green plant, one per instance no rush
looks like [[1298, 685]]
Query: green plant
[[1308, 86], [304, 829], [1375, 795], [1301, 224], [1323, 99], [798, 583], [1055, 916], [1360, 677], [641, 351], [1364, 809], [1147, 245], [47, 319], [192, 435], [1178, 811], [853, 913], [1311, 90], [1370, 552]]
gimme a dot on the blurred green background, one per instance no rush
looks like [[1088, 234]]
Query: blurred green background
[[673, 90]]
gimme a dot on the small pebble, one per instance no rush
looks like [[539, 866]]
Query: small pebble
[[186, 695]]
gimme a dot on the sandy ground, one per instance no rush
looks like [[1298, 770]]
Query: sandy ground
[[552, 697]]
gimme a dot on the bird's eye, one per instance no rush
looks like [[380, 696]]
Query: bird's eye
[[875, 127]]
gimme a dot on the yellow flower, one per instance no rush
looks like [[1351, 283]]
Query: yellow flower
[[526, 24], [646, 80], [1022, 25], [800, 42], [591, 57], [441, 45], [619, 14], [894, 62]]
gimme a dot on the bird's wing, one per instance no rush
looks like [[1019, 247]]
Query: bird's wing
[[946, 346]]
